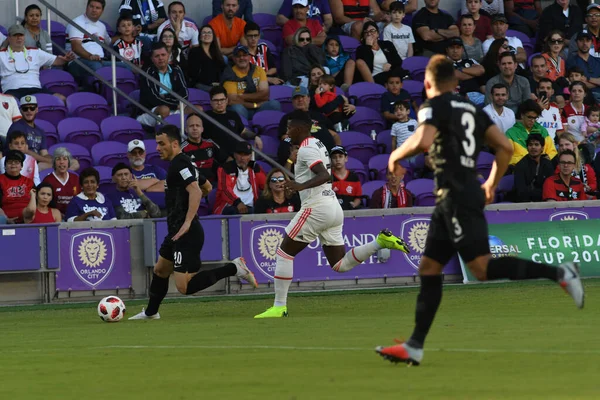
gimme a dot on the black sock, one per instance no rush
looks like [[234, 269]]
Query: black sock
[[517, 269], [207, 278], [428, 302], [158, 290]]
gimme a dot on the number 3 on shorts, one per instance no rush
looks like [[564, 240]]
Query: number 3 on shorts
[[177, 258]]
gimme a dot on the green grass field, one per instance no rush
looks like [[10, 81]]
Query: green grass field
[[505, 341]]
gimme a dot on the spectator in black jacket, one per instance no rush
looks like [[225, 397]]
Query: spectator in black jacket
[[553, 17], [153, 96], [531, 172], [367, 69]]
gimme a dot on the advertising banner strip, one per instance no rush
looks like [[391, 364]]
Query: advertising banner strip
[[94, 259]]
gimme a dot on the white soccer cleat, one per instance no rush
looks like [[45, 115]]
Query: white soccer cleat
[[571, 283], [143, 315], [244, 272]]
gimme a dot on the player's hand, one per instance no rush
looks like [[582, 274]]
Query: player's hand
[[489, 191], [182, 231], [292, 186], [242, 208]]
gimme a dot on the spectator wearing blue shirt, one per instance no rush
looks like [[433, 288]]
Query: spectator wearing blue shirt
[[127, 199], [588, 63], [151, 178], [394, 94], [90, 205], [317, 9]]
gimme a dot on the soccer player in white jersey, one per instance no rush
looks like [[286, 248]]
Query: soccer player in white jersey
[[320, 216]]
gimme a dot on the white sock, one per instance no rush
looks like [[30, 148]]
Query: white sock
[[356, 256], [284, 271]]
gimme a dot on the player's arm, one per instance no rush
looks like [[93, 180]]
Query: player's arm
[[498, 142], [321, 177], [195, 195], [419, 142]]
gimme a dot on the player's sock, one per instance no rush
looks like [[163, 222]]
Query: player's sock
[[517, 269], [207, 278], [158, 290], [357, 255], [284, 271], [428, 302]]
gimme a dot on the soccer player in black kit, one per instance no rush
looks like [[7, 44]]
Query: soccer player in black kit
[[453, 131], [180, 250]]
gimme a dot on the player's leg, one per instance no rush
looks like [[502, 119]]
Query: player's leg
[[299, 234], [160, 283]]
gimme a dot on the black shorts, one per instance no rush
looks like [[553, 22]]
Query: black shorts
[[457, 228], [185, 252]]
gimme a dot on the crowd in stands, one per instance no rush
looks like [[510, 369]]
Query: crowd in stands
[[356, 67]]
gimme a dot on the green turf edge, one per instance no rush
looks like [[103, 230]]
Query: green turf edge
[[310, 293]]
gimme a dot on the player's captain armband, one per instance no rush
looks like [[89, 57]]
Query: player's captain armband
[[424, 114], [185, 173]]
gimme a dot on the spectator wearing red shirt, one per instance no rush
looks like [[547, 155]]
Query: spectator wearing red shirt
[[564, 186], [483, 23], [300, 19], [204, 153], [15, 189], [273, 199], [346, 185], [391, 195], [65, 184]]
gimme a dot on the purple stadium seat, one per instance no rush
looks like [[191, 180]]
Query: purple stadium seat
[[266, 167], [106, 185], [378, 166], [367, 94], [358, 168], [365, 120], [150, 145], [205, 208], [154, 159], [369, 187], [157, 198], [530, 57], [415, 88], [267, 123], [422, 190], [121, 129], [359, 146], [88, 105], [505, 186], [79, 130], [192, 20], [174, 119], [58, 34], [269, 28], [3, 30], [49, 130], [270, 146], [58, 81], [50, 108], [80, 153], [126, 81], [416, 66], [484, 163], [109, 28], [349, 43], [206, 20], [197, 96], [45, 173], [384, 141], [109, 153], [283, 94], [128, 106]]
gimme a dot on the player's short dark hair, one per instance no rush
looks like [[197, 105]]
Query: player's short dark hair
[[575, 70], [507, 54], [568, 153], [102, 2], [172, 132], [157, 46], [499, 86], [251, 26], [300, 118], [89, 171], [397, 6], [176, 3], [126, 17], [215, 90], [529, 105], [441, 70], [14, 135], [402, 104], [119, 167], [545, 80], [591, 109]]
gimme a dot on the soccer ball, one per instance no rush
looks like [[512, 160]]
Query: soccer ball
[[111, 309]]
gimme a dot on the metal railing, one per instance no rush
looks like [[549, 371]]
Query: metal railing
[[113, 85]]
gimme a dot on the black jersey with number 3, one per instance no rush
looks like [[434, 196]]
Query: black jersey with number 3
[[461, 132], [182, 172]]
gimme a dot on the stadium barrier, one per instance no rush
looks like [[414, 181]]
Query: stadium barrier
[[87, 260]]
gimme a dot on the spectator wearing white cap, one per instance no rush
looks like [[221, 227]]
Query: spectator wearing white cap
[[36, 137], [300, 19], [9, 113], [20, 66], [151, 178]]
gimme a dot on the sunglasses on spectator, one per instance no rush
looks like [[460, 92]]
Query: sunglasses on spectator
[[29, 108], [556, 41], [304, 39], [593, 15], [276, 179]]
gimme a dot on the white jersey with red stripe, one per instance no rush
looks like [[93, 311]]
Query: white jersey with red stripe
[[311, 153]]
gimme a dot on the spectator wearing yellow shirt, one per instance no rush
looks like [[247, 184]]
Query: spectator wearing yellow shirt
[[247, 86]]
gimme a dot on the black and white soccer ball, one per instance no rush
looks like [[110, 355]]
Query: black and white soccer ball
[[111, 309]]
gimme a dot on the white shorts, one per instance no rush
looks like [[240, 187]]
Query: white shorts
[[325, 222]]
